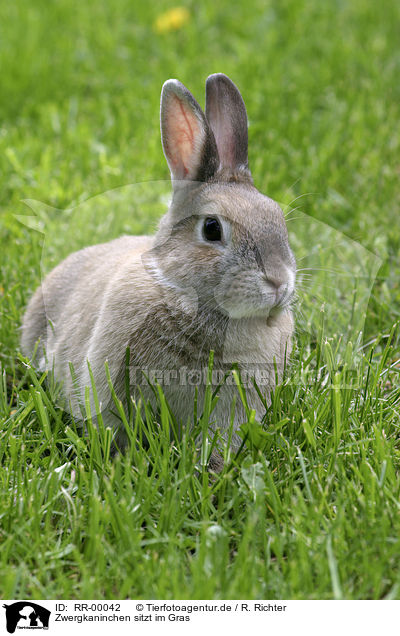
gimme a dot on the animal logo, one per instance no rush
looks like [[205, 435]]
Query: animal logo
[[26, 615]]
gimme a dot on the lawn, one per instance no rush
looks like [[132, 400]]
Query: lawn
[[310, 506]]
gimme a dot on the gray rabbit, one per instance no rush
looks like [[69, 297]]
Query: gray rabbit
[[218, 275]]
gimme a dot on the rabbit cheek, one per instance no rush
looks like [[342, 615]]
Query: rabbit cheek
[[205, 264], [240, 296]]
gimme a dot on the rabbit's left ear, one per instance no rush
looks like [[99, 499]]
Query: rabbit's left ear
[[188, 141], [226, 114]]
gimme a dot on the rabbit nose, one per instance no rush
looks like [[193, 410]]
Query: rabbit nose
[[279, 286], [275, 282]]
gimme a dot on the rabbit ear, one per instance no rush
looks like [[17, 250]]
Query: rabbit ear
[[226, 113], [188, 141]]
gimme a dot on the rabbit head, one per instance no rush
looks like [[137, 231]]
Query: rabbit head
[[221, 237]]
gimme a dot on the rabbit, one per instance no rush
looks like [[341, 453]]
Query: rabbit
[[218, 275]]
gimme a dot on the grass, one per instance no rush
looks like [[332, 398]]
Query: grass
[[310, 506]]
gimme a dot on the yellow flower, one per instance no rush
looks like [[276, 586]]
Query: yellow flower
[[172, 20]]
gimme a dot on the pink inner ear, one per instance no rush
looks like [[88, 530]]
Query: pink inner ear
[[184, 129]]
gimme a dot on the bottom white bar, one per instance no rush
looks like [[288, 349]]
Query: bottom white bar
[[172, 617]]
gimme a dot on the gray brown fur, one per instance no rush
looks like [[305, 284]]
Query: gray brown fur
[[173, 297]]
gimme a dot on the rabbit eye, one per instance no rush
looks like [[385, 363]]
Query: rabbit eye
[[212, 229]]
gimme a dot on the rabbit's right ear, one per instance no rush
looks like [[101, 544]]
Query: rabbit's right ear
[[226, 112], [188, 141]]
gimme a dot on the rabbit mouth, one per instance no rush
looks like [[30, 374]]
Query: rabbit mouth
[[277, 310], [267, 305], [239, 311]]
